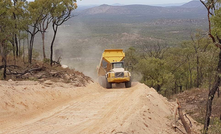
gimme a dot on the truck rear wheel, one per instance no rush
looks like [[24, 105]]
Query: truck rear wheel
[[102, 81], [108, 84]]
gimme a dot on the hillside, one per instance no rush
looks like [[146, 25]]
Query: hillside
[[191, 9]]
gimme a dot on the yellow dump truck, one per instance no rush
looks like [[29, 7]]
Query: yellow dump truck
[[111, 69]]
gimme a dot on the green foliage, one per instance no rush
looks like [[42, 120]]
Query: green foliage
[[60, 7], [173, 69], [6, 28], [216, 23], [46, 60], [132, 57], [155, 72], [215, 127], [5, 22]]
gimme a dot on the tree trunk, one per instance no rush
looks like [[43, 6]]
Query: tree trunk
[[158, 87], [43, 44], [211, 95], [4, 61], [198, 72], [16, 45], [15, 35], [55, 28], [30, 55], [19, 46], [190, 80], [30, 49], [217, 79], [190, 76], [30, 46], [13, 47], [24, 50], [5, 65], [220, 117], [175, 88], [209, 103]]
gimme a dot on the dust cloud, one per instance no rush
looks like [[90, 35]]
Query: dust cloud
[[79, 52], [80, 47], [136, 77]]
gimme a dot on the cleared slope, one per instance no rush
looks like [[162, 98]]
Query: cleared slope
[[59, 108]]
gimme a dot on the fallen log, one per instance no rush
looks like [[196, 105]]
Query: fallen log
[[186, 126], [25, 72]]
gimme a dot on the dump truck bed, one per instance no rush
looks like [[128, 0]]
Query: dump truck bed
[[113, 55]]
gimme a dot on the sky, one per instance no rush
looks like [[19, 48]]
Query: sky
[[128, 2]]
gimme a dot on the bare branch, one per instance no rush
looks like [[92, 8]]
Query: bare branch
[[212, 37], [188, 120], [207, 7]]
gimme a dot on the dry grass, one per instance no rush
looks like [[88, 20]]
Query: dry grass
[[41, 71]]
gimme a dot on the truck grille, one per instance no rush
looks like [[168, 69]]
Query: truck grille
[[119, 74]]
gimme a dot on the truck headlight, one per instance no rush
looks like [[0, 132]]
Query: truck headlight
[[126, 74], [112, 75]]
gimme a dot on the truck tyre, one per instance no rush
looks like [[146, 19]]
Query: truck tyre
[[128, 84], [108, 85]]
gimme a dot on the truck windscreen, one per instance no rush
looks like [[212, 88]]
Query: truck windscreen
[[118, 65]]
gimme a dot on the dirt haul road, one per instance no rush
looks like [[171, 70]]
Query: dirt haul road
[[58, 108]]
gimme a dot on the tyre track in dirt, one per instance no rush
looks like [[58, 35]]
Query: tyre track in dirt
[[95, 110], [79, 115], [110, 109]]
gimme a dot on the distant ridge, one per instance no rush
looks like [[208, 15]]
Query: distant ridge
[[193, 4], [117, 10], [147, 10]]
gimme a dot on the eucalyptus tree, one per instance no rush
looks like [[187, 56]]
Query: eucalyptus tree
[[173, 69], [214, 19], [6, 30], [18, 8], [44, 24], [60, 12], [155, 73], [200, 53], [33, 17]]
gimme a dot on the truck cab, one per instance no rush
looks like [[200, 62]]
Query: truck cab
[[117, 66]]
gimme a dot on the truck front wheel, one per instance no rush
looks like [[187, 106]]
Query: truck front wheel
[[128, 84]]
